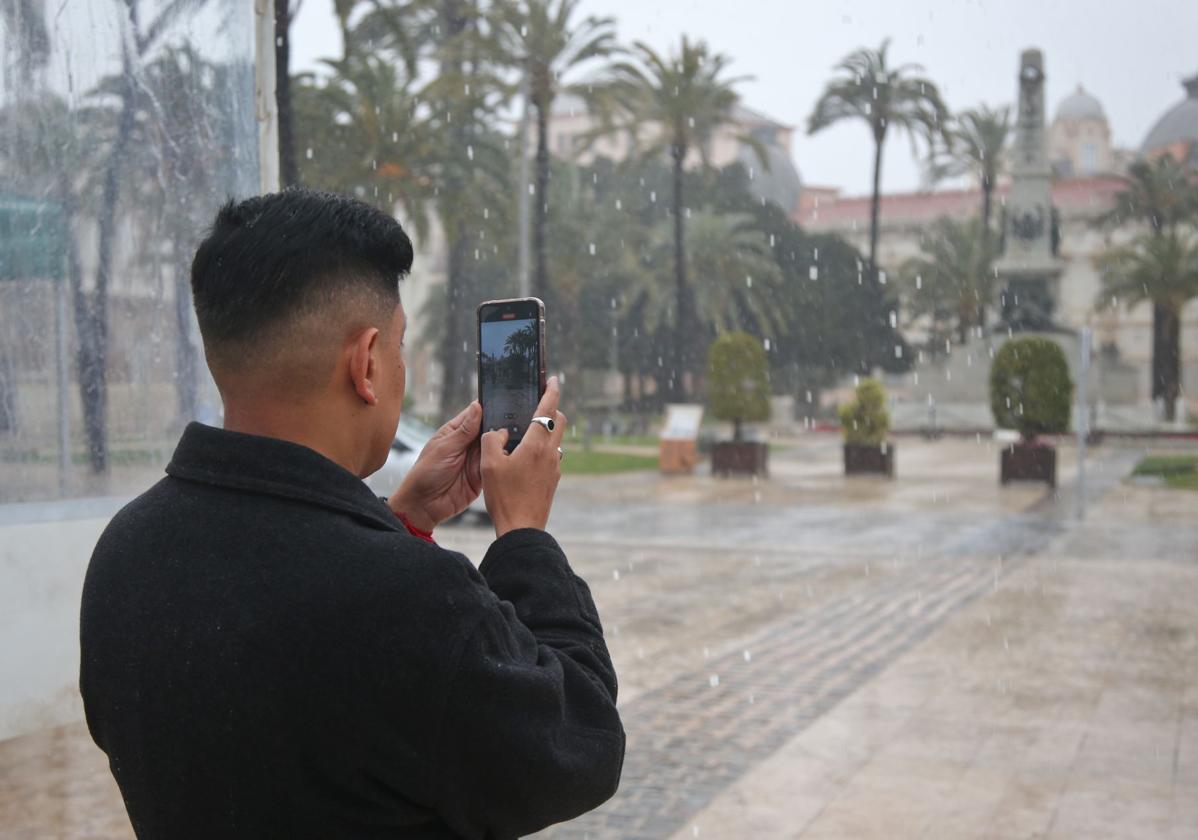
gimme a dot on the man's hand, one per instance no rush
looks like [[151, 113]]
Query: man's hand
[[446, 477], [520, 487]]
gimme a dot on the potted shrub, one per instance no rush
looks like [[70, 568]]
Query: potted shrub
[[1031, 392], [739, 392], [865, 422]]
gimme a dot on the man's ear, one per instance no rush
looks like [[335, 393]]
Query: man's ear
[[362, 368]]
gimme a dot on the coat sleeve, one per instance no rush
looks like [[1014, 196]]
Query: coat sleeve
[[530, 734]]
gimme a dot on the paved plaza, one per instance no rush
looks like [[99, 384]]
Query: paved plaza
[[810, 656]]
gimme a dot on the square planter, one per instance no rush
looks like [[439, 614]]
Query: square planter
[[1025, 461], [869, 459], [740, 458]]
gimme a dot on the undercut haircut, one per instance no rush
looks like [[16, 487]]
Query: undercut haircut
[[274, 259]]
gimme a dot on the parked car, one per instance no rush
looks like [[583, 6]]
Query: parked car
[[410, 438]]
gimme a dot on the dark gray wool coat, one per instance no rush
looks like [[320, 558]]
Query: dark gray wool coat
[[267, 653]]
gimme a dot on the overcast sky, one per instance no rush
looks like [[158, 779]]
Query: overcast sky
[[1130, 54]]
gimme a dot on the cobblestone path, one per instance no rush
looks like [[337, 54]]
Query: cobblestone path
[[690, 739], [693, 737]]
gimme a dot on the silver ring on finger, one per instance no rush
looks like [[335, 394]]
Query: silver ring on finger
[[547, 422], [560, 453]]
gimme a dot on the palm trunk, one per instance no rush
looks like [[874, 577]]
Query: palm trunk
[[683, 326], [1167, 343], [454, 21], [453, 357], [875, 204], [987, 211], [540, 279], [288, 170], [91, 311], [1160, 350]]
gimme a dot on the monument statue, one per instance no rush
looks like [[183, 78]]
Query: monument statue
[[1028, 265]]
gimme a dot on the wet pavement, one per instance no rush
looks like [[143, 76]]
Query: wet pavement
[[821, 657]]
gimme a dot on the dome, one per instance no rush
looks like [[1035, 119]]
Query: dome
[[1080, 105], [1177, 130]]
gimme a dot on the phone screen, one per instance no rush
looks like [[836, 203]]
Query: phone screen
[[509, 366]]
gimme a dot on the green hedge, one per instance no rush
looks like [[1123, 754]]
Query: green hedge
[[1030, 387], [865, 420], [738, 386]]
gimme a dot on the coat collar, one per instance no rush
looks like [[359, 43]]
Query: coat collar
[[275, 468]]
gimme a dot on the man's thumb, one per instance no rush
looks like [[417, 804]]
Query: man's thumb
[[493, 444]]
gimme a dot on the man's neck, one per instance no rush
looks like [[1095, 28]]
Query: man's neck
[[304, 427]]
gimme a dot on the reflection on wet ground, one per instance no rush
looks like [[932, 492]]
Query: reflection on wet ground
[[812, 656]]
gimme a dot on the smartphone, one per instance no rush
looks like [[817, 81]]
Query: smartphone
[[511, 364]]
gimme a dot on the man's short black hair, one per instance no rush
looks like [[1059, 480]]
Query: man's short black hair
[[273, 257]]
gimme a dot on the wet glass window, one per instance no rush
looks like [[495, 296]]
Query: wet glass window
[[877, 333]]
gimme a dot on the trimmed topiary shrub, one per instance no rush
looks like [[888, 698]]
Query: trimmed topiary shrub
[[865, 420], [1030, 387], [738, 387]]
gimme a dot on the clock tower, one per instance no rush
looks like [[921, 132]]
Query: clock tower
[[1028, 266]]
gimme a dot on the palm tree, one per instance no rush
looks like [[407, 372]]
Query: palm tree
[[686, 96], [1162, 268], [91, 307], [366, 137], [951, 282], [547, 45], [457, 104], [738, 287], [977, 139], [1161, 195], [181, 129], [884, 97]]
